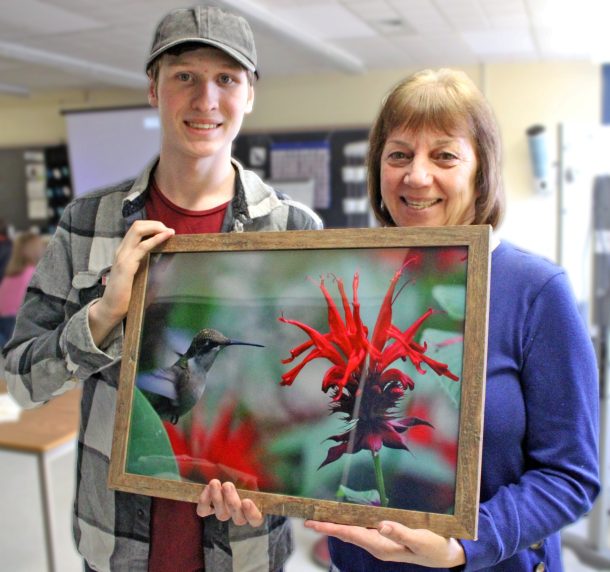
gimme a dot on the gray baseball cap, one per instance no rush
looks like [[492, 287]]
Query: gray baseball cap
[[206, 25]]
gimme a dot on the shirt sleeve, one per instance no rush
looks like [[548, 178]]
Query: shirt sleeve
[[52, 349], [559, 380]]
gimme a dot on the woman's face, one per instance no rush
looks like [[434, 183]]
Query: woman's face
[[427, 178]]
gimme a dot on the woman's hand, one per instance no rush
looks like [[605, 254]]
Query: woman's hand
[[223, 501], [111, 308], [394, 542]]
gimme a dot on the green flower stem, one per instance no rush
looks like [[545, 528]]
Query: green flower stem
[[379, 478]]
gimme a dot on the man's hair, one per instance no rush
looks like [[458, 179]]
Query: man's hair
[[447, 101], [153, 69]]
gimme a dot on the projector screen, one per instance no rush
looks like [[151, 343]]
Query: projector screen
[[107, 146]]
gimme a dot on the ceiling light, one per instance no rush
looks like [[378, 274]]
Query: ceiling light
[[14, 90], [101, 72]]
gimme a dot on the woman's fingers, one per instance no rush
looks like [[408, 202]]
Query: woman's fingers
[[394, 542]]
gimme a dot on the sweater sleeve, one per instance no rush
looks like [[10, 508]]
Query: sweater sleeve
[[52, 348], [560, 388]]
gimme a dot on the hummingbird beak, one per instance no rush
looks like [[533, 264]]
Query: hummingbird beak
[[238, 343]]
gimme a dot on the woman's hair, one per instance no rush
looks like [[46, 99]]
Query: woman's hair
[[448, 101], [24, 253]]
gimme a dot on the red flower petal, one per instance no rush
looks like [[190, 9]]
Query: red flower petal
[[320, 341], [334, 453]]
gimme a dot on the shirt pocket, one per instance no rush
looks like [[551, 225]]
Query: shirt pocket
[[89, 285]]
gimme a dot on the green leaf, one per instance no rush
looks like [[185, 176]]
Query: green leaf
[[452, 299], [149, 451], [358, 497], [446, 347]]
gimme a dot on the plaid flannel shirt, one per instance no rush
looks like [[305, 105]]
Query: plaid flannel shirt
[[52, 350]]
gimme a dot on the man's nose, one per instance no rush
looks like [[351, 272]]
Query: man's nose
[[205, 96]]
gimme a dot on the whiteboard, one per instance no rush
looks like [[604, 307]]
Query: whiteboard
[[110, 145]]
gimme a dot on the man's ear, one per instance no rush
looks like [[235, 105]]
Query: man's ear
[[250, 102], [152, 92]]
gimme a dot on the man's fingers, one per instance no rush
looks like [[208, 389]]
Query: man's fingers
[[224, 502], [253, 515], [233, 504], [217, 501]]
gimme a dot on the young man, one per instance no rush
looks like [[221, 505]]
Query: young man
[[201, 69]]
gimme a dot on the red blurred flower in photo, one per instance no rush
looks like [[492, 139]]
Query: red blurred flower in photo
[[445, 447], [364, 388], [441, 259], [227, 451]]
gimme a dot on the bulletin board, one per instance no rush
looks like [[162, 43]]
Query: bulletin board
[[35, 186], [323, 168]]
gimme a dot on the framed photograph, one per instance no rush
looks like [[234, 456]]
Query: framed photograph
[[336, 375]]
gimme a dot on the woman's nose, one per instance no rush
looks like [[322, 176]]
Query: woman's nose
[[418, 173]]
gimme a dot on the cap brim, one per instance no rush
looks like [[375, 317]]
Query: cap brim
[[240, 58]]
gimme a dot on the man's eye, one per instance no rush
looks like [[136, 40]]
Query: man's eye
[[225, 79], [183, 76]]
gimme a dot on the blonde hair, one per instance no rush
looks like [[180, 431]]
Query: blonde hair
[[21, 254], [448, 101]]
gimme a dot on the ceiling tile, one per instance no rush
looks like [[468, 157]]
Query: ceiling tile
[[377, 52], [422, 15], [372, 9], [382, 17], [327, 21], [509, 44], [41, 17], [440, 50], [464, 14]]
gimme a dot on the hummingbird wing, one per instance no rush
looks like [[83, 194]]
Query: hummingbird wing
[[156, 382], [174, 343]]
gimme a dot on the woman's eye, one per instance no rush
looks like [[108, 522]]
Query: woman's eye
[[397, 156], [447, 156]]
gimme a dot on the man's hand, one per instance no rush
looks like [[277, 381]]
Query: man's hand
[[223, 501], [108, 311], [394, 542]]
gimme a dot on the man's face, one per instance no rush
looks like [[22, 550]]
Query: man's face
[[202, 96]]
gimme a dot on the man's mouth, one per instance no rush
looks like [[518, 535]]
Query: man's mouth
[[202, 126], [420, 204]]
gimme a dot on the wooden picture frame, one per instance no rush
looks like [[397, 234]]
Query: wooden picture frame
[[369, 387]]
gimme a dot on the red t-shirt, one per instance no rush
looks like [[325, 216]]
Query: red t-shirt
[[176, 532]]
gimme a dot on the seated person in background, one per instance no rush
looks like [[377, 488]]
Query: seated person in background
[[27, 251], [6, 246]]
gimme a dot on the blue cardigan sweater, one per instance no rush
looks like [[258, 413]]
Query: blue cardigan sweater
[[540, 462]]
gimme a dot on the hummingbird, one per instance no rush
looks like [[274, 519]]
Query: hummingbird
[[175, 390]]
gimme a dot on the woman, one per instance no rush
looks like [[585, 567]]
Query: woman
[[434, 160], [26, 253]]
